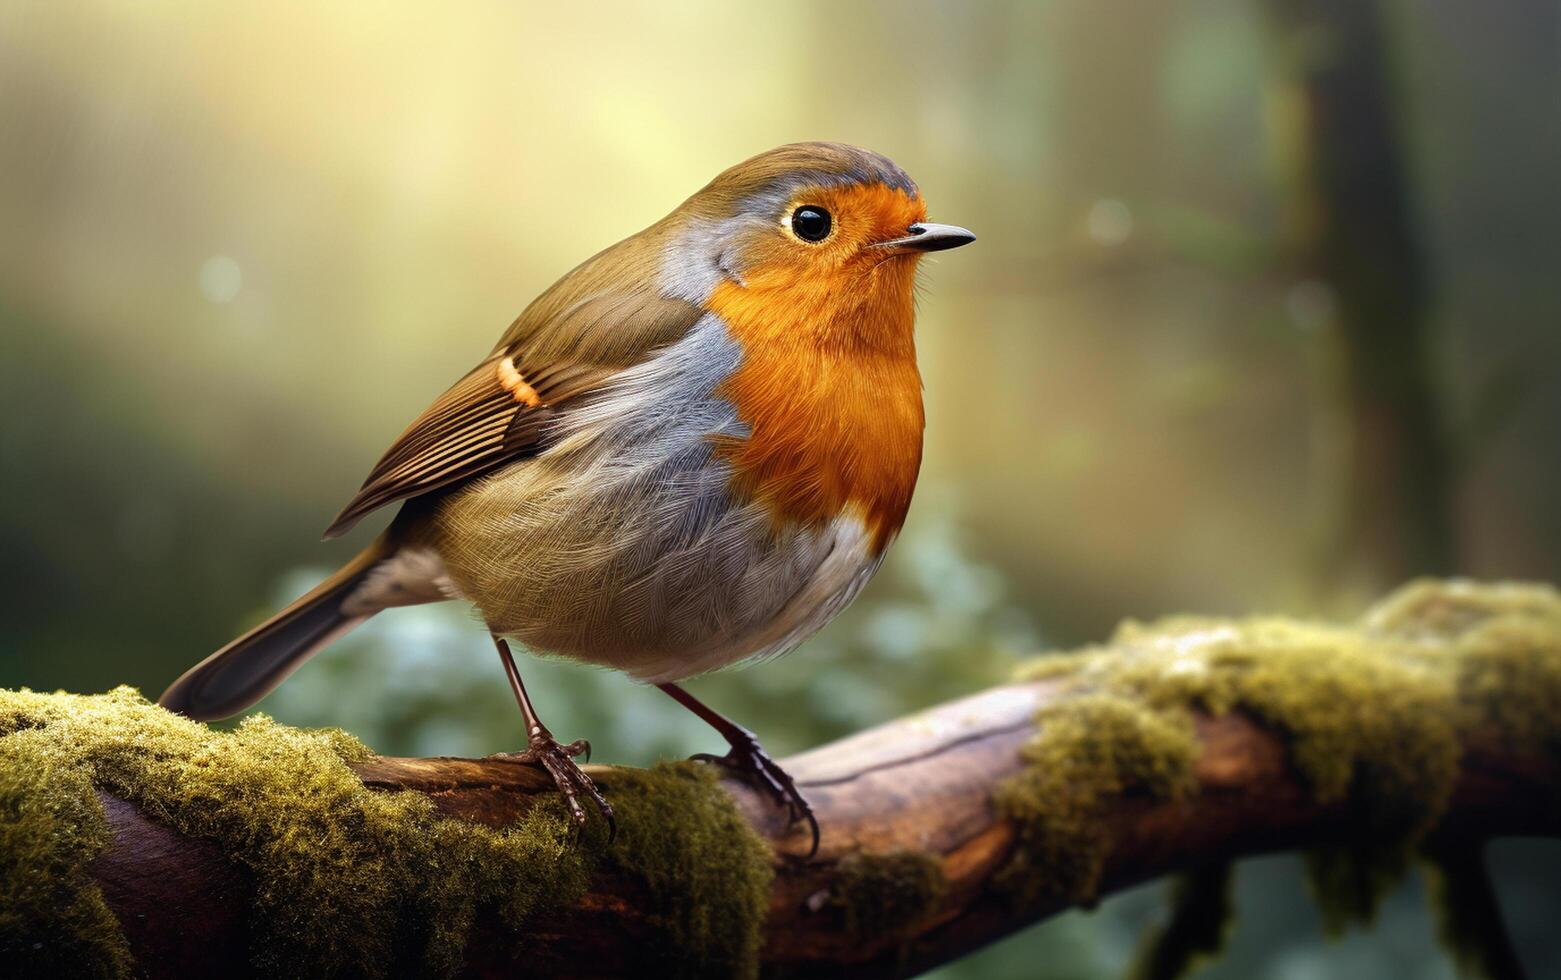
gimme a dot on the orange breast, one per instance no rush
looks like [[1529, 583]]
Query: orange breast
[[829, 388]]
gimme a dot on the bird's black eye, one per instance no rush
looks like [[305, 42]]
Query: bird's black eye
[[810, 223]]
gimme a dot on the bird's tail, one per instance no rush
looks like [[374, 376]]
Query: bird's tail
[[251, 666]]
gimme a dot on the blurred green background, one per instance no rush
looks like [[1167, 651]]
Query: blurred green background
[[1264, 316]]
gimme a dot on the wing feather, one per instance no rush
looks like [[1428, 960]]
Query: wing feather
[[562, 348]]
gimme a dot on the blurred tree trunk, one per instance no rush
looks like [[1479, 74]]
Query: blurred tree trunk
[[1381, 463]]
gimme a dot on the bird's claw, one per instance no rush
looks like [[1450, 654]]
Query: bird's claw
[[572, 782], [748, 760]]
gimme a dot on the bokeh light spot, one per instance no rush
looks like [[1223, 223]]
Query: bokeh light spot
[[221, 279], [1110, 222]]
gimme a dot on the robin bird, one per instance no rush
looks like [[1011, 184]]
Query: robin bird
[[692, 450]]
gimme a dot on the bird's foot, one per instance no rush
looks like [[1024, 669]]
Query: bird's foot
[[748, 760], [572, 782]]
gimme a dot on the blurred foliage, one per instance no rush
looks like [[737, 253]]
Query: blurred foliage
[[242, 245]]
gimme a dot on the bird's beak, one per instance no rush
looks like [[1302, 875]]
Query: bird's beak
[[928, 237]]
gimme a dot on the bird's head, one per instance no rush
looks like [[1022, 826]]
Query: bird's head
[[809, 242]]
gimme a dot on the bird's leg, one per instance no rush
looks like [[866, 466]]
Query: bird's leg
[[747, 758], [558, 759]]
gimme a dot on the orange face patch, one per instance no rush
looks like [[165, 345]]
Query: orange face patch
[[828, 381], [861, 215]]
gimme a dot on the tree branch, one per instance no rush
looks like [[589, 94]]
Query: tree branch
[[922, 785]]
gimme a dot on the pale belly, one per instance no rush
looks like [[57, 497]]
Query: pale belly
[[663, 577]]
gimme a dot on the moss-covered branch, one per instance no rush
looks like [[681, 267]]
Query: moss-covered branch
[[135, 842]]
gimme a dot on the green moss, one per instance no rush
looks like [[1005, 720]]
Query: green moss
[[1469, 922], [888, 894], [1439, 610], [347, 880], [1375, 715], [1509, 677], [1499, 644], [707, 872], [1361, 719], [1087, 751], [1197, 928], [1365, 722], [1348, 881], [53, 921]]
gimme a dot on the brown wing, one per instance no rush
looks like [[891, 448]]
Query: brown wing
[[499, 412]]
